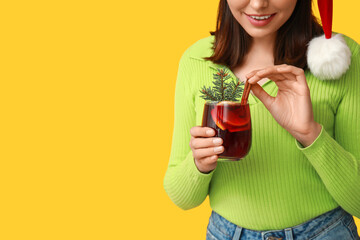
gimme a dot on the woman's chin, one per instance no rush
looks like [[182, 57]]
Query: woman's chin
[[261, 34]]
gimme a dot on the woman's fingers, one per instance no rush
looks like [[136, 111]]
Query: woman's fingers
[[261, 94], [297, 72], [202, 143], [270, 72], [210, 160], [197, 143], [205, 148], [198, 131], [207, 152], [290, 69], [251, 74], [278, 73]]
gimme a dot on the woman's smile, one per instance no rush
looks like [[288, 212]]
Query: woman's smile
[[260, 20]]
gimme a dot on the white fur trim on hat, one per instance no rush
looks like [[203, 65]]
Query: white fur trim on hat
[[328, 59]]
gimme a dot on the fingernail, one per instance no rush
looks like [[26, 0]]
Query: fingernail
[[210, 132], [218, 149], [217, 141]]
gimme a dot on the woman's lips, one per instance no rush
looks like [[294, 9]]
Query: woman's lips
[[261, 20]]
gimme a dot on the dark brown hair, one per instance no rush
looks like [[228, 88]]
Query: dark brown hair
[[232, 42]]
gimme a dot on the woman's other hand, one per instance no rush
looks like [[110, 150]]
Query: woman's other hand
[[292, 107], [205, 148]]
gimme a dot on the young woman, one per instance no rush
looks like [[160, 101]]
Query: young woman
[[301, 178]]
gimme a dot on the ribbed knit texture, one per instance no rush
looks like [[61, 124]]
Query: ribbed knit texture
[[279, 184]]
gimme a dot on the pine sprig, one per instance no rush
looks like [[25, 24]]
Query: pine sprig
[[223, 90], [234, 91], [208, 94], [220, 84]]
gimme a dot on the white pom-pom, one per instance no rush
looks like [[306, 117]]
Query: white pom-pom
[[328, 59]]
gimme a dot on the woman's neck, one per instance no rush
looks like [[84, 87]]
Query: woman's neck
[[260, 55], [261, 51]]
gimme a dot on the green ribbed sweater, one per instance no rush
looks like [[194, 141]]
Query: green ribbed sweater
[[280, 183]]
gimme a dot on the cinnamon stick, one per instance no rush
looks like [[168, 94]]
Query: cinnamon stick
[[246, 92]]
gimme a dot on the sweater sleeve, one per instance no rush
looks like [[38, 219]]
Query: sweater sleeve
[[337, 161], [186, 186]]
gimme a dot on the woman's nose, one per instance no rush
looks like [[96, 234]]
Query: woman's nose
[[259, 4]]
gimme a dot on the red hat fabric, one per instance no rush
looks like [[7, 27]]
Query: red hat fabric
[[326, 12], [328, 56]]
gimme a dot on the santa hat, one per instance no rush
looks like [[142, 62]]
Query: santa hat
[[328, 56]]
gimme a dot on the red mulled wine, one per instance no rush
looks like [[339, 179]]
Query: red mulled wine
[[231, 122]]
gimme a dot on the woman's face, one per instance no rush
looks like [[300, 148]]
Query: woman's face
[[261, 18]]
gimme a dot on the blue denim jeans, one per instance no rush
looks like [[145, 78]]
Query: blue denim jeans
[[336, 224]]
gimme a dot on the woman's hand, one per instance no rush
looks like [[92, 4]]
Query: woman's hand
[[291, 108], [205, 148]]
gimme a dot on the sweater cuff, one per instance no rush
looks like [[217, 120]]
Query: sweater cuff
[[316, 144], [322, 151]]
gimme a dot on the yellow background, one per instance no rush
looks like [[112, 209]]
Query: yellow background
[[87, 91]]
